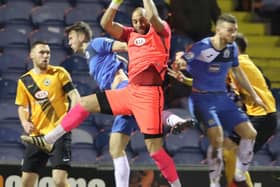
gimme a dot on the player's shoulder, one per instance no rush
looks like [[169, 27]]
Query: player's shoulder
[[25, 74], [205, 42], [56, 69], [101, 40], [201, 44]]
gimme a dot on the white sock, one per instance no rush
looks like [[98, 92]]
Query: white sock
[[244, 158], [122, 171], [215, 164], [215, 185], [55, 134], [176, 183], [171, 119]]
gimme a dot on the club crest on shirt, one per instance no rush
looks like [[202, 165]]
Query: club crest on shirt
[[189, 56], [42, 94], [87, 55], [226, 53], [46, 82], [139, 41]]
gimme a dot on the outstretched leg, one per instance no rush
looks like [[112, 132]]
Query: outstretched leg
[[70, 121], [163, 161]]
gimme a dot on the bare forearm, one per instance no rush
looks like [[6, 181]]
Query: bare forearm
[[108, 24], [150, 8], [153, 16], [244, 82], [23, 114], [119, 46], [108, 17], [74, 97]]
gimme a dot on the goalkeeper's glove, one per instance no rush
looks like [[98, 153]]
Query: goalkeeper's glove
[[115, 4]]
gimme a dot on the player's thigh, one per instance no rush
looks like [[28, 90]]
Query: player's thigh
[[115, 102], [230, 115], [61, 155], [90, 103], [124, 124], [147, 107], [265, 127], [34, 159]]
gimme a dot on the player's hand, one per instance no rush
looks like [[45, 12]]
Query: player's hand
[[118, 1], [28, 127], [115, 4], [179, 62], [260, 102], [177, 74]]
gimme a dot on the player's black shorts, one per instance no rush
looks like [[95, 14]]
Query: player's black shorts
[[265, 127], [35, 159]]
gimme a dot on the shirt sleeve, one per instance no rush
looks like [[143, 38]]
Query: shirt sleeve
[[126, 33], [235, 56], [166, 30], [21, 95], [102, 45], [192, 53], [66, 80]]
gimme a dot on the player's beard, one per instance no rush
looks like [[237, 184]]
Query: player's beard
[[43, 66]]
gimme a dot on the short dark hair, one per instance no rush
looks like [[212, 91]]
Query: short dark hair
[[227, 18], [38, 42], [241, 42], [82, 27]]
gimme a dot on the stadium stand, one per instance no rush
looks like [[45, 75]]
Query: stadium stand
[[15, 11], [27, 21], [274, 148], [138, 146], [53, 35], [9, 110], [75, 64], [84, 12], [262, 157], [8, 89], [263, 47], [11, 63], [18, 40], [50, 14]]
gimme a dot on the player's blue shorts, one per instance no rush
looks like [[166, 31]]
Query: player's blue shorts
[[124, 124], [214, 109]]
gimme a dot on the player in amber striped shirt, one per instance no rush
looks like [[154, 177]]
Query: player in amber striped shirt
[[263, 120], [42, 97]]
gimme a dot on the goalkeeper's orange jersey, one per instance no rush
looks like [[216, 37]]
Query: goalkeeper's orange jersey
[[45, 96], [147, 50], [257, 81]]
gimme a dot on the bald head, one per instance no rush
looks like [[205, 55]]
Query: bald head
[[139, 11], [140, 21]]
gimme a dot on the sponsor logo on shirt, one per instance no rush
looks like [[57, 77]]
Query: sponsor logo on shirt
[[208, 55], [139, 41], [42, 94], [214, 68]]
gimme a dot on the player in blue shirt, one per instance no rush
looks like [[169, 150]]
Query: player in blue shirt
[[209, 61], [108, 70]]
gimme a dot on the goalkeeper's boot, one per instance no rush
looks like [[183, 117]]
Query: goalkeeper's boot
[[38, 141]]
